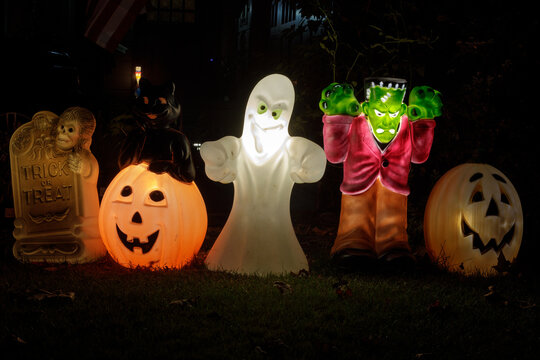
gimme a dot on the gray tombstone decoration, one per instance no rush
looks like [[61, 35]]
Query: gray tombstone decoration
[[54, 177]]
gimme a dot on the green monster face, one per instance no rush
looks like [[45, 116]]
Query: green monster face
[[384, 107]]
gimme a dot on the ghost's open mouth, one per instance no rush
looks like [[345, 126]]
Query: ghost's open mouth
[[477, 242], [132, 243], [279, 126]]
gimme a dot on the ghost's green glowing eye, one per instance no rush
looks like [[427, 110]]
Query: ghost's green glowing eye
[[378, 113], [276, 113], [261, 109]]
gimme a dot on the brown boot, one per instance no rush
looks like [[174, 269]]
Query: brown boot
[[354, 245], [391, 243]]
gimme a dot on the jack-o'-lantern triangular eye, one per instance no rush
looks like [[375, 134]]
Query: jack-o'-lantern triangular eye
[[477, 196], [498, 178], [475, 177], [504, 198]]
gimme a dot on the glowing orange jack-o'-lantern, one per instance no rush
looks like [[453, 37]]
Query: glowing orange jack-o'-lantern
[[149, 219], [473, 219]]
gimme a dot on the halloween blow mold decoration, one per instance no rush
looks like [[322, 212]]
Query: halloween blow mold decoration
[[376, 141], [152, 220], [263, 164], [155, 141], [473, 220], [54, 177]]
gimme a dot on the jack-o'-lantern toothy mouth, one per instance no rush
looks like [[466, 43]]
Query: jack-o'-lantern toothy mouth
[[134, 242], [478, 244]]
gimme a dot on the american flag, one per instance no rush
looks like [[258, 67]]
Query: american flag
[[108, 21]]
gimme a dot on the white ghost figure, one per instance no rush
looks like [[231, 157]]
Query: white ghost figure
[[258, 237]]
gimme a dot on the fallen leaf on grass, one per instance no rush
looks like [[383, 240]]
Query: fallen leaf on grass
[[184, 303], [17, 339], [526, 304], [56, 296], [493, 296], [279, 343], [283, 287], [260, 350], [342, 289], [273, 347], [302, 273], [437, 308]]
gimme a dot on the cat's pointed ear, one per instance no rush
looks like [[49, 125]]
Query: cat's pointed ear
[[171, 87]]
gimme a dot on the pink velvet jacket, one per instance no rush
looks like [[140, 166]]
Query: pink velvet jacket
[[349, 140]]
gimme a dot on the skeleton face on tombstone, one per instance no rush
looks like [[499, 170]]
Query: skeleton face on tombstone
[[68, 133], [74, 129]]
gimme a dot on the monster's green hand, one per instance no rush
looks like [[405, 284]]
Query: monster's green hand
[[339, 99], [424, 103]]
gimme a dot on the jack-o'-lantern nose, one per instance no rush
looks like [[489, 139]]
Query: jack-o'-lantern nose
[[492, 210], [136, 218]]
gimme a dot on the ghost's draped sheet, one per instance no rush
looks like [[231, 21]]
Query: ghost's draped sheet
[[258, 237]]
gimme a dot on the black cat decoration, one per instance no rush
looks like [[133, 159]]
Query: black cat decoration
[[155, 142]]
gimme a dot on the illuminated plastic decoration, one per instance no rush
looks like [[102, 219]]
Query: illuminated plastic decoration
[[258, 237], [376, 142], [152, 220], [473, 220], [54, 177], [152, 213], [156, 140], [138, 74]]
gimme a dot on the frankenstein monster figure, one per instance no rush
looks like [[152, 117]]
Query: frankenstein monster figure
[[376, 141]]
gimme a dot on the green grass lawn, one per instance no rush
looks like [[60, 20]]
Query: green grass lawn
[[102, 310]]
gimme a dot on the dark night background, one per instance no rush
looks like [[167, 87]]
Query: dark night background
[[479, 55]]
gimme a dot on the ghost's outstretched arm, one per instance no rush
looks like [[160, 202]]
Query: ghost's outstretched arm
[[307, 160], [220, 158]]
